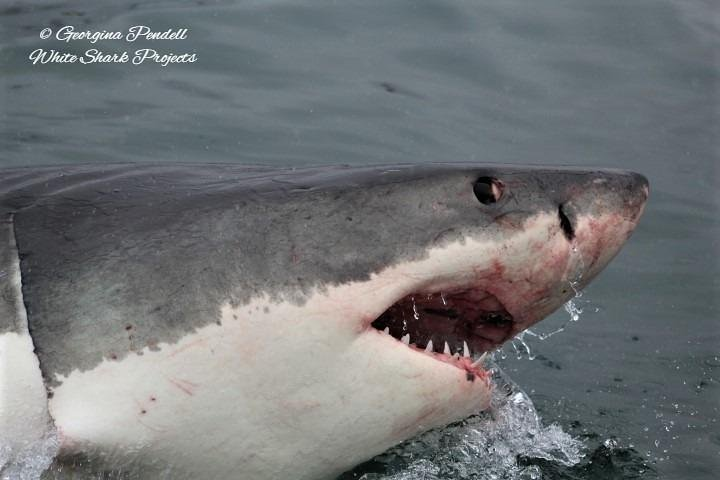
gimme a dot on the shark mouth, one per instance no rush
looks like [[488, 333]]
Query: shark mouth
[[456, 327]]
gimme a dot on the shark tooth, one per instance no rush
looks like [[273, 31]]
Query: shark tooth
[[406, 339], [466, 350], [480, 360], [446, 350], [387, 330], [429, 347]]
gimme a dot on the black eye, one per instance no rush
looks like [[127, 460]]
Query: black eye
[[488, 190]]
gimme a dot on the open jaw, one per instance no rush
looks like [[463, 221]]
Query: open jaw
[[457, 327]]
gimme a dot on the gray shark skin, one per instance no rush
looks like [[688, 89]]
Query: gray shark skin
[[121, 266]]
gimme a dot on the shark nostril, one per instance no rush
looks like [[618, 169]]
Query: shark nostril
[[565, 224], [488, 190]]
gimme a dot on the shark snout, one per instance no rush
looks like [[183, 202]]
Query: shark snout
[[598, 216]]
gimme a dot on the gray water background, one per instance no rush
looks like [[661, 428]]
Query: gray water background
[[629, 84]]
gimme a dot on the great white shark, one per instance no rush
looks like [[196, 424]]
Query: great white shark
[[230, 322]]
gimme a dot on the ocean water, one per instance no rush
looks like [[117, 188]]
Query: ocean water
[[591, 83]]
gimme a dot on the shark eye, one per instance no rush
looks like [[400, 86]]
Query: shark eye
[[488, 190]]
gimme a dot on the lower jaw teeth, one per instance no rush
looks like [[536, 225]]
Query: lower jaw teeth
[[480, 360], [429, 348]]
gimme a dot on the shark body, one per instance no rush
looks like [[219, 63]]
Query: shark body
[[220, 321]]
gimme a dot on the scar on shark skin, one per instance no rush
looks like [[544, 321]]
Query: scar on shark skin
[[184, 385]]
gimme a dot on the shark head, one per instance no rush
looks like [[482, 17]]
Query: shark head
[[246, 323], [467, 259], [528, 241]]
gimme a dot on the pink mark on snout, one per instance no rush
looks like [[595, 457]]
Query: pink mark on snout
[[602, 239]]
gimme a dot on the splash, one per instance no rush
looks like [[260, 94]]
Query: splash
[[521, 344], [571, 306], [30, 461], [491, 445]]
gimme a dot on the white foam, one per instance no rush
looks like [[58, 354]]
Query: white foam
[[486, 445], [30, 460]]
